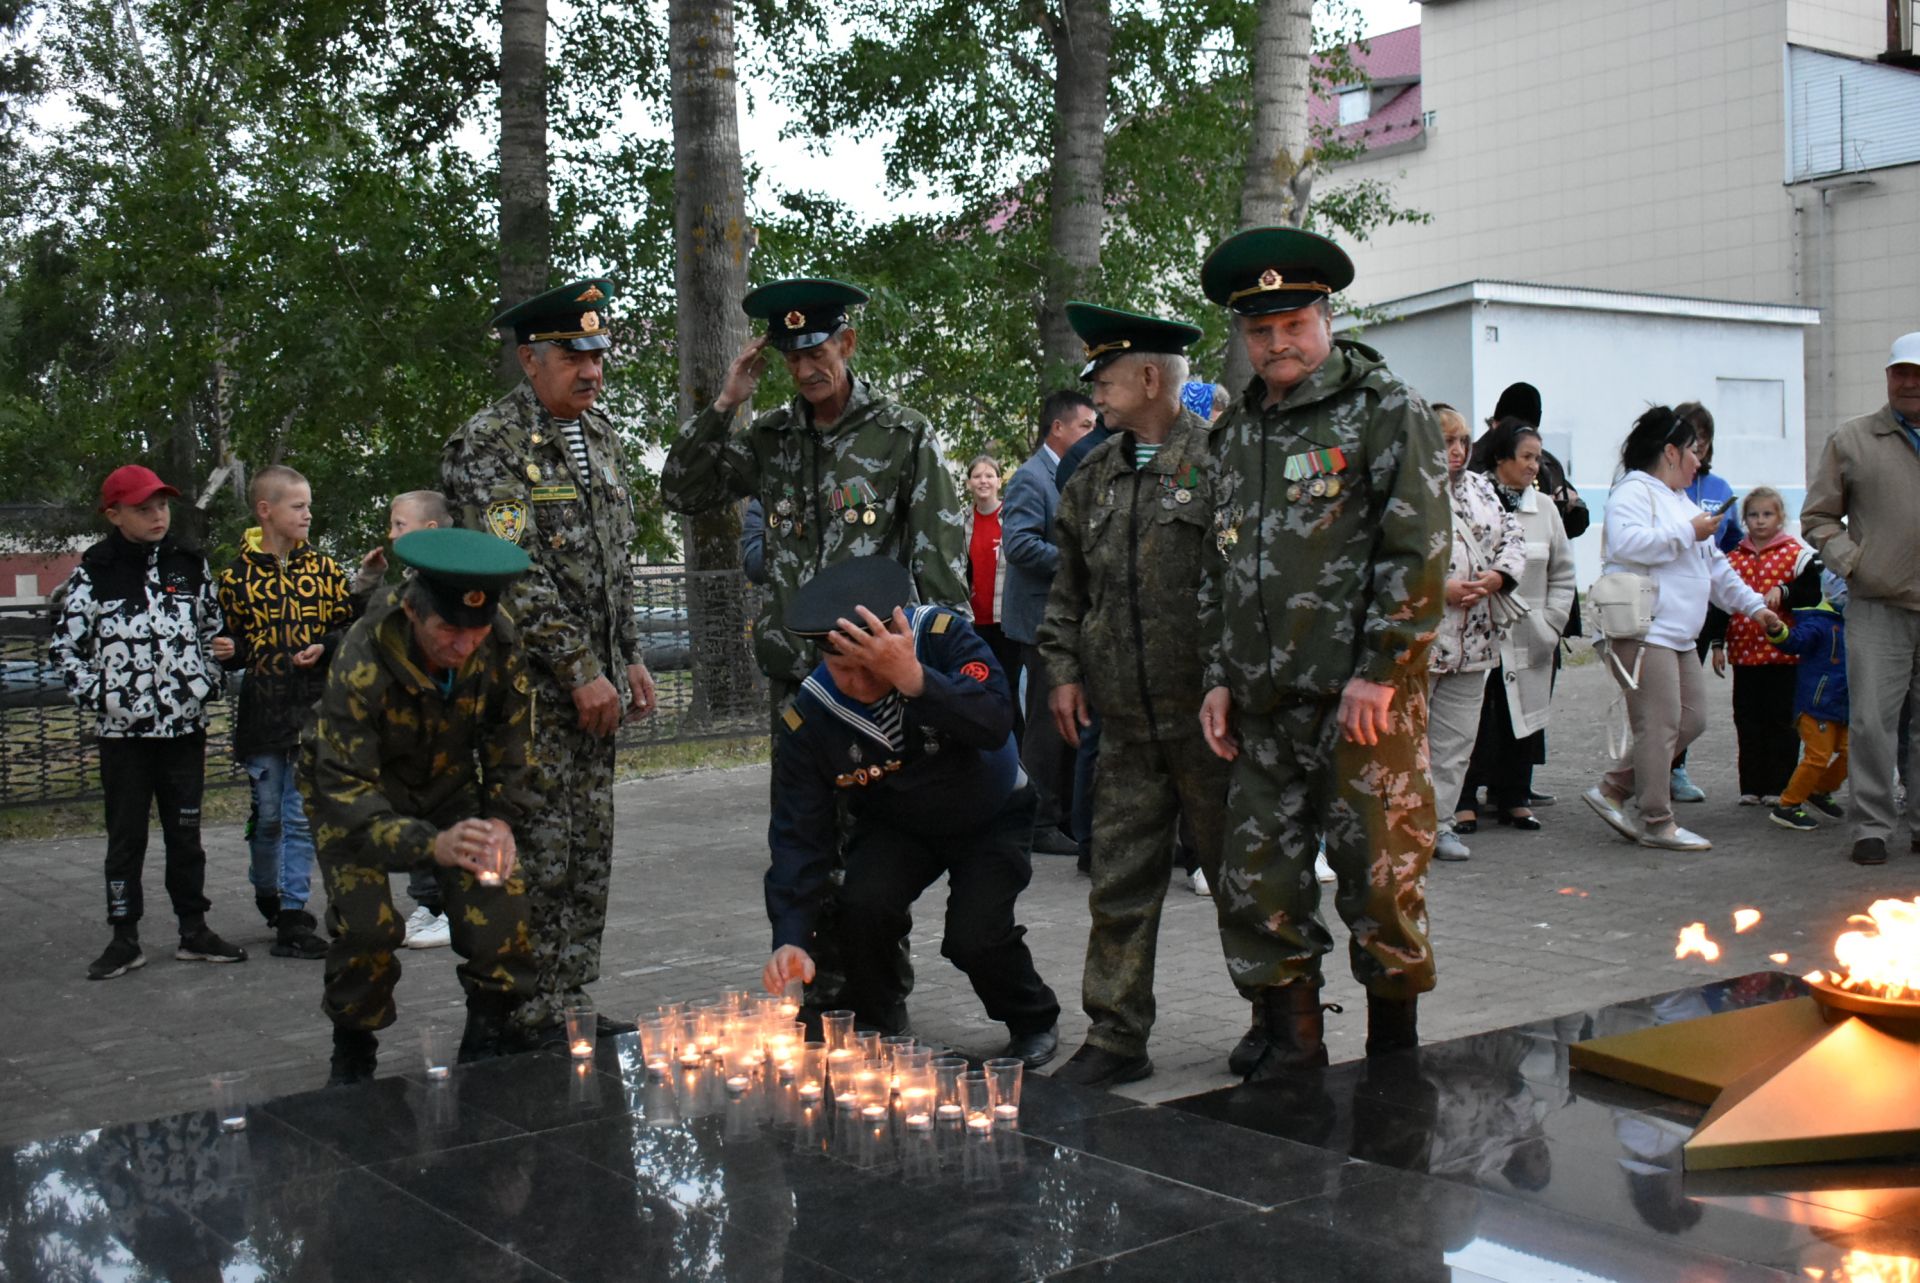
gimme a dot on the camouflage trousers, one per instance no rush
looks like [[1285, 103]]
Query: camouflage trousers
[[1296, 781], [488, 925], [566, 857], [1139, 797]]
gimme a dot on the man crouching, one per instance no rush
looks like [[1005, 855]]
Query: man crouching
[[420, 751], [909, 719]]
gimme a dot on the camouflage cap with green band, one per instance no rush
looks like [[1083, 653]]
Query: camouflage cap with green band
[[464, 571], [1111, 333], [1274, 269], [802, 312], [574, 316]]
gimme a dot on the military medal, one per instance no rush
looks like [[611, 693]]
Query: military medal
[[1293, 493], [533, 472], [1166, 501], [853, 517], [784, 508], [1312, 472], [1317, 487], [1333, 487], [1183, 495], [536, 438], [869, 516]]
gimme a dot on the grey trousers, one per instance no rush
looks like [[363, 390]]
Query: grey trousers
[[1666, 714], [1453, 724], [1883, 674]]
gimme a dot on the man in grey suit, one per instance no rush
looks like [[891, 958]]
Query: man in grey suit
[[1026, 546]]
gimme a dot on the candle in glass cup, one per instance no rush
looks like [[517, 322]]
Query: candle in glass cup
[[916, 1092], [948, 1105], [870, 1083], [838, 1028], [738, 1083], [582, 1028], [1004, 1077], [491, 866], [976, 1095]]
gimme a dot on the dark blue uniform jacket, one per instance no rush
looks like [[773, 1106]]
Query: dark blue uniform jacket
[[957, 769]]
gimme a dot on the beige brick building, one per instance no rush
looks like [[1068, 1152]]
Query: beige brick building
[[1755, 151]]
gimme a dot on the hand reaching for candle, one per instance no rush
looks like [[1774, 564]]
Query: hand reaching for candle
[[789, 963], [468, 845], [508, 858]]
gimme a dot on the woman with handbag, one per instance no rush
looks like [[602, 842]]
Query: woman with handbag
[[1653, 530], [1513, 718], [1489, 554]]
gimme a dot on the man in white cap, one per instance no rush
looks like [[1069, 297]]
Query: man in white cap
[[1863, 512]]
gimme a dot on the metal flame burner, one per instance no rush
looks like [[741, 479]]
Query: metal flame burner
[[1836, 1004]]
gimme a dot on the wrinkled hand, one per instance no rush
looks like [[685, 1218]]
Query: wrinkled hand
[[221, 648], [1719, 661], [1704, 524], [743, 376], [642, 697], [509, 857], [1366, 710], [884, 649], [1070, 711], [598, 704], [308, 656], [788, 963], [1216, 725], [468, 844], [1768, 621]]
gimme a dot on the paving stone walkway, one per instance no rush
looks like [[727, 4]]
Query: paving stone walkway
[[1534, 925]]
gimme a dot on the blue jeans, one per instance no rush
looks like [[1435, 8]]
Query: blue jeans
[[282, 845]]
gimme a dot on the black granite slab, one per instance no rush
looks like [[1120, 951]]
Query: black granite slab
[[1483, 1158]]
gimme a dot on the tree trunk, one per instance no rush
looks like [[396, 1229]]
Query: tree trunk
[[1082, 40], [525, 238], [712, 242], [1279, 179]]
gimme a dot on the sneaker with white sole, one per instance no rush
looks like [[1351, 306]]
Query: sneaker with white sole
[[1681, 787], [1750, 799], [1448, 846], [427, 929], [1612, 812], [1322, 870], [1197, 882], [1675, 838]]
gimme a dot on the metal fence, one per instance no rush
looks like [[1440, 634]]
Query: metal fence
[[708, 689]]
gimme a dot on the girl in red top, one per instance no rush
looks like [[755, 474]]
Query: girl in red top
[[1769, 559], [986, 574]]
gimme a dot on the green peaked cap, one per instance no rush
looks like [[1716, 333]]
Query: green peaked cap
[[802, 312], [465, 571], [574, 316], [1111, 333], [1274, 269]]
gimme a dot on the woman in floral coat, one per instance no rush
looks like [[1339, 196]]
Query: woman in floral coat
[[1489, 554]]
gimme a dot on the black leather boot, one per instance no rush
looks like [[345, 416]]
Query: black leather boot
[[355, 1052], [485, 1037], [1391, 1025], [1246, 1053], [296, 936], [1296, 1028]]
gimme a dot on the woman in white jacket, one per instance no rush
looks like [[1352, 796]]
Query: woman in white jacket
[[1653, 529]]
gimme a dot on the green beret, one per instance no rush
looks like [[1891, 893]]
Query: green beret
[[1111, 333], [802, 313], [574, 316], [878, 583], [464, 571], [1274, 269]]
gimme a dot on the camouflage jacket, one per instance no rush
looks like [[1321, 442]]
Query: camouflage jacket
[[1134, 543], [1311, 590], [508, 471], [390, 761], [874, 482]]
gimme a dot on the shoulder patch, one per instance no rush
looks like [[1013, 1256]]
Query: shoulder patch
[[976, 670], [791, 716], [507, 519], [941, 622]]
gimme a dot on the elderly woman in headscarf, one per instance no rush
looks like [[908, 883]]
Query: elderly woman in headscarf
[[1489, 554]]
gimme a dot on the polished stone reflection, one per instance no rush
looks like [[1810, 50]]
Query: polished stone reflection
[[1482, 1158]]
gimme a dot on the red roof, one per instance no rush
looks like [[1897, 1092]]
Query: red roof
[[1397, 118]]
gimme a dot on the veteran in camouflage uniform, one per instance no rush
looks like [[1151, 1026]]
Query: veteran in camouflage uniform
[[1332, 524], [843, 470], [542, 469], [419, 753], [1134, 532]]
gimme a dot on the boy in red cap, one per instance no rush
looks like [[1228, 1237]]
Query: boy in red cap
[[134, 639]]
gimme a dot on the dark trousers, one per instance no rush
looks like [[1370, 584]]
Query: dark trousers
[[1763, 726], [987, 869], [137, 774], [1007, 651]]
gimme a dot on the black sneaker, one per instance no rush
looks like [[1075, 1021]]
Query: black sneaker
[[1824, 803], [1870, 851], [122, 955], [1793, 817], [202, 945], [295, 936]]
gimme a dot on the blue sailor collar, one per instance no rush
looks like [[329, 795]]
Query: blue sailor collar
[[819, 684]]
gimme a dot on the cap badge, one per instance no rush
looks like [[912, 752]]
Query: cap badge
[[1270, 278], [795, 319], [593, 295], [589, 321], [474, 600]]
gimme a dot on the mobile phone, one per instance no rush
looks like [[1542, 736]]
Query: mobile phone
[[1720, 509]]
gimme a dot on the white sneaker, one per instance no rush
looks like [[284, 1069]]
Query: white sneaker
[[1750, 799], [1197, 882], [427, 929], [1675, 839], [1322, 870]]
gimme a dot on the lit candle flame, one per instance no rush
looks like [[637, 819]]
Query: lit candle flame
[[1573, 891], [1694, 940], [1745, 920], [1778, 959]]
